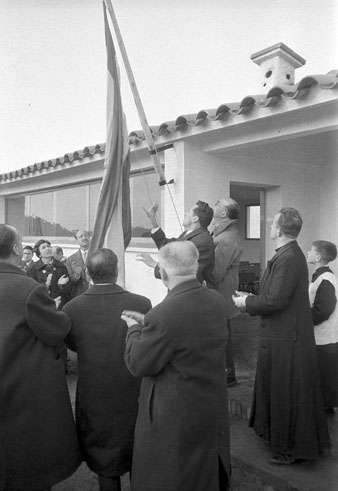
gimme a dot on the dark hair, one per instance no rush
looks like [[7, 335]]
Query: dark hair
[[233, 210], [30, 248], [58, 250], [38, 244], [326, 249], [290, 222], [8, 238], [204, 213], [102, 265]]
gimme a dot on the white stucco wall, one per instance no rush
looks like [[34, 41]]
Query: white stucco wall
[[199, 175], [328, 209]]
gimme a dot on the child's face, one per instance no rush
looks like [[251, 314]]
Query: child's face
[[312, 255]]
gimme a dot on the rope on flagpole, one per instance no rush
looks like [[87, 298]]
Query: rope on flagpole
[[139, 106]]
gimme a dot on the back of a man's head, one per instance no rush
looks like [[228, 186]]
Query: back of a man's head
[[204, 213], [290, 222], [232, 208], [102, 266], [8, 237], [179, 258]]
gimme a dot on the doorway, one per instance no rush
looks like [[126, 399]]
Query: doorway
[[251, 226]]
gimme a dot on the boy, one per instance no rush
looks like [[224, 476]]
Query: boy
[[323, 291]]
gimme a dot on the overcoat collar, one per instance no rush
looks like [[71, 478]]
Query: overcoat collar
[[282, 249], [279, 252], [184, 287], [220, 227], [10, 268], [193, 233], [104, 289], [40, 264]]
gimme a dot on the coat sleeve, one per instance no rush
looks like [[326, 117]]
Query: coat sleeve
[[282, 281], [148, 349], [225, 252], [68, 286], [324, 303], [74, 277], [31, 271], [160, 238], [48, 325], [206, 252]]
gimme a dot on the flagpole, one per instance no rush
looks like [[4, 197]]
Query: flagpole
[[139, 106]]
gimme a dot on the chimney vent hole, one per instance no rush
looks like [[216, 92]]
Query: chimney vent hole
[[288, 76], [268, 74]]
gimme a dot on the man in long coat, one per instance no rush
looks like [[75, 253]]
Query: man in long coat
[[182, 430], [38, 444], [107, 394], [228, 251], [287, 409]]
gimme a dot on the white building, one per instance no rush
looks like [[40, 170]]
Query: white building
[[271, 150]]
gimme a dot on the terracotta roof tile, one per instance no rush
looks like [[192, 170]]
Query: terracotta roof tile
[[274, 97]]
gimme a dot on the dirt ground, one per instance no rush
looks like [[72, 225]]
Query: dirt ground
[[245, 340]]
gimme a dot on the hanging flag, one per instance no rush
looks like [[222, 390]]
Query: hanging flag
[[112, 226]]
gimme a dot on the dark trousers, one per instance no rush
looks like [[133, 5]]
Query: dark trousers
[[229, 357]]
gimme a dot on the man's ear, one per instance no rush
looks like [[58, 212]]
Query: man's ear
[[164, 275], [16, 250], [194, 218]]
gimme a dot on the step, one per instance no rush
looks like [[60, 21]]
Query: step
[[250, 457]]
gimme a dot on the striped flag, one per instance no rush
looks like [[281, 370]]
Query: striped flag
[[112, 226]]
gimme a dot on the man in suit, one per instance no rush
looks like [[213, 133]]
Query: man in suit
[[195, 223], [38, 444], [228, 252], [27, 258], [182, 429], [107, 394], [287, 408], [76, 264]]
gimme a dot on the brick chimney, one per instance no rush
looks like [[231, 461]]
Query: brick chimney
[[277, 65]]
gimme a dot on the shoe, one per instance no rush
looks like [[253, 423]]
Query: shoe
[[231, 383], [283, 459]]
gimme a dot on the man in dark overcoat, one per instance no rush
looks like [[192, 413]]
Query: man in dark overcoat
[[38, 444], [107, 394], [195, 223], [182, 430], [287, 409]]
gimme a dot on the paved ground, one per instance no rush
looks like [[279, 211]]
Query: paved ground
[[245, 335], [251, 471]]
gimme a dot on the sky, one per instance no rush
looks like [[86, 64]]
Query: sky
[[186, 55]]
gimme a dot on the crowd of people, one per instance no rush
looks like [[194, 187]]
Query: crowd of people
[[151, 395]]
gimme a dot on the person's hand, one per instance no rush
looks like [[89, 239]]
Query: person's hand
[[131, 317], [63, 280], [77, 268], [151, 214], [57, 302], [241, 294], [240, 301], [49, 280], [146, 259]]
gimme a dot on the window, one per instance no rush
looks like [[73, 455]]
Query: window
[[61, 212], [252, 222]]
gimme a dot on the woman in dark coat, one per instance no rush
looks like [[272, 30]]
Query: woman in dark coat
[[51, 272], [287, 409]]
